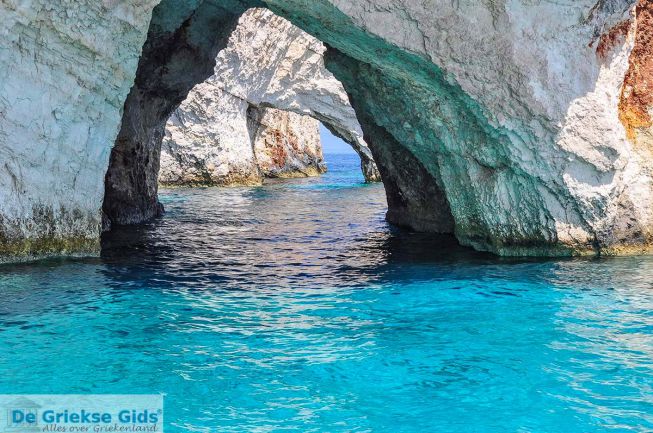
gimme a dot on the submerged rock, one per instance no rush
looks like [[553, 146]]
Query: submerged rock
[[268, 63], [522, 126]]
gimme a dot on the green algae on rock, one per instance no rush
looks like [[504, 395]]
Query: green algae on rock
[[55, 234]]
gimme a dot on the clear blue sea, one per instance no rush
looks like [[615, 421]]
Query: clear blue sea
[[294, 307]]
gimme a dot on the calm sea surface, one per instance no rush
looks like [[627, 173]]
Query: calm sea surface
[[295, 307]]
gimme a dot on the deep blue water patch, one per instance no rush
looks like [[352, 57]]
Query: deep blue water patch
[[295, 307]]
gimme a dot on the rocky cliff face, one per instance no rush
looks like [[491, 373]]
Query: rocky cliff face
[[207, 142], [182, 43], [511, 106], [527, 121], [65, 71], [268, 62], [285, 144], [216, 139]]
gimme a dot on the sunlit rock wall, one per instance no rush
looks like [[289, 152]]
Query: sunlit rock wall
[[240, 145], [197, 151], [286, 145], [515, 108], [528, 120], [268, 62], [65, 71]]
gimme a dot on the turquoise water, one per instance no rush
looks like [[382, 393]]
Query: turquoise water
[[295, 307]]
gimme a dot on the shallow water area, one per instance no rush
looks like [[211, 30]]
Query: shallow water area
[[296, 307]]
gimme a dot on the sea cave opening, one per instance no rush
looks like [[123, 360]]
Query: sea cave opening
[[273, 297], [221, 82]]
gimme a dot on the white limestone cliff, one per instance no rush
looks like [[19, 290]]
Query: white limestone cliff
[[522, 121], [268, 62], [216, 139], [65, 71], [286, 144], [522, 126]]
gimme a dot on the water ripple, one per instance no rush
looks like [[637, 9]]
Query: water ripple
[[295, 307]]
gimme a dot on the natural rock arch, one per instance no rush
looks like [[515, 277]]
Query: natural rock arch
[[415, 199], [269, 70], [526, 121]]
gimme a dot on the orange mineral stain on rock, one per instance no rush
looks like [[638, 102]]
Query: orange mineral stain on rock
[[278, 152], [637, 91], [610, 39]]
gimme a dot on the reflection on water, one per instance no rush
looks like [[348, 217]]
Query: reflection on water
[[295, 307]]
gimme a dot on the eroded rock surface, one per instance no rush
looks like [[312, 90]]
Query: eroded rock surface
[[65, 71], [220, 140], [285, 144], [527, 120], [512, 109], [207, 142], [268, 62], [183, 41]]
